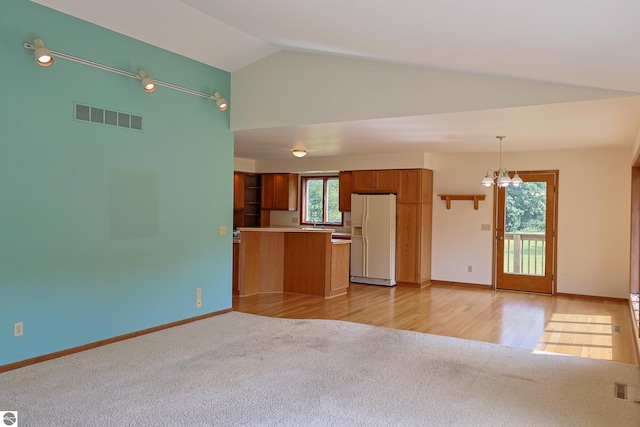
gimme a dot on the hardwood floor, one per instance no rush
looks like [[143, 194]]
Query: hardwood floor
[[578, 326]]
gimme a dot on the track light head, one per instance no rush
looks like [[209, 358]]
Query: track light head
[[148, 84], [220, 101], [42, 54]]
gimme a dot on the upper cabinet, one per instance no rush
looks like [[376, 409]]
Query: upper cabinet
[[238, 190], [416, 186], [344, 198], [280, 191], [375, 181]]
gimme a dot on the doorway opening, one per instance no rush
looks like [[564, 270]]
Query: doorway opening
[[525, 237]]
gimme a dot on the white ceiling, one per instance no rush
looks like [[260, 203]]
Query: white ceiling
[[578, 42]]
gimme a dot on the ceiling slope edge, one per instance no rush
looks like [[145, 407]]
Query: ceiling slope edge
[[290, 88]]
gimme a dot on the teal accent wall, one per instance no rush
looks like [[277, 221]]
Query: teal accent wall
[[78, 262]]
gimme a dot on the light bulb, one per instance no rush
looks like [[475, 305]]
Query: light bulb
[[42, 54]]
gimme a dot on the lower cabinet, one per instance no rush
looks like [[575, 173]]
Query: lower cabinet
[[236, 253], [413, 244], [340, 257]]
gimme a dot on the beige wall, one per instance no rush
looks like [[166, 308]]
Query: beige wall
[[293, 88], [594, 212], [635, 152], [244, 165], [593, 218]]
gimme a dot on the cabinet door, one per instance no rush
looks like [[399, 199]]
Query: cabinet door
[[387, 181], [285, 191], [268, 197], [279, 191], [363, 181], [415, 186], [410, 188], [376, 181], [238, 190], [344, 182], [408, 236]]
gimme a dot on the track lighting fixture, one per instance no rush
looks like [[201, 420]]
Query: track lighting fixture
[[220, 101], [44, 58], [148, 84], [299, 152]]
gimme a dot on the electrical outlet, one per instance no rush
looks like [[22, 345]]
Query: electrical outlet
[[223, 230], [198, 297], [17, 329], [348, 223], [485, 227], [469, 268], [294, 220], [198, 302]]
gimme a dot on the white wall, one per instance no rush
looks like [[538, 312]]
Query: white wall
[[593, 218], [593, 212]]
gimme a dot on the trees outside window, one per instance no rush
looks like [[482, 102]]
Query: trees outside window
[[526, 208], [320, 200]]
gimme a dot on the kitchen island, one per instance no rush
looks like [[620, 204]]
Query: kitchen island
[[304, 261]]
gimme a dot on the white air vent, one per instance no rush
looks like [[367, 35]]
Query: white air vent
[[103, 116]]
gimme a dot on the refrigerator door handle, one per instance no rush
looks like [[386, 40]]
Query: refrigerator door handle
[[365, 240]]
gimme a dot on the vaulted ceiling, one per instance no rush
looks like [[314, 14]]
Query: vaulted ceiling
[[590, 43]]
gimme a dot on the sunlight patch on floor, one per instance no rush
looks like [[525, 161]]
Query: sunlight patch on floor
[[583, 335]]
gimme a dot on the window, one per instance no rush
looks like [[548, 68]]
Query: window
[[320, 198]]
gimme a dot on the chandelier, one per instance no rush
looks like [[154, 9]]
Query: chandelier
[[501, 178]]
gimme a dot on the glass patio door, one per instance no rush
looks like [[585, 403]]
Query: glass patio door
[[525, 234]]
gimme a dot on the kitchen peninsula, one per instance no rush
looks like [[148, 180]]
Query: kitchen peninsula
[[299, 260]]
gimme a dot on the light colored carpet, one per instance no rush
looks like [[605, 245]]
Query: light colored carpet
[[240, 369]]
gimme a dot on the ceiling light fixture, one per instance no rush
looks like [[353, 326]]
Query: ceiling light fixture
[[44, 58], [299, 153], [501, 178], [148, 84], [220, 101]]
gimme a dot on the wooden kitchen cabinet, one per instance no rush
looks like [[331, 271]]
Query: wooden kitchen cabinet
[[238, 190], [413, 244], [246, 200], [415, 186], [344, 198], [280, 191], [375, 181]]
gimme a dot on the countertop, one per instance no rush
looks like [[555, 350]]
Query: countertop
[[287, 229], [339, 237], [339, 241]]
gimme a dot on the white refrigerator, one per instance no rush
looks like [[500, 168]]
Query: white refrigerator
[[373, 239]]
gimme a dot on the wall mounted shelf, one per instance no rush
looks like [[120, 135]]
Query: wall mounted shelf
[[475, 197]]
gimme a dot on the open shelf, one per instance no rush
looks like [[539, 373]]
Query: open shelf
[[471, 197]]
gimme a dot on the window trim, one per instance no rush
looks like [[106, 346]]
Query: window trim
[[303, 200]]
